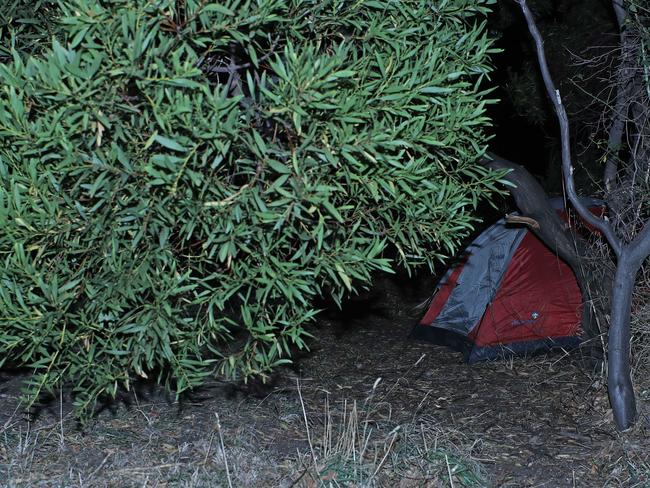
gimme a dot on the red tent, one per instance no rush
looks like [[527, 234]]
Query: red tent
[[509, 295]]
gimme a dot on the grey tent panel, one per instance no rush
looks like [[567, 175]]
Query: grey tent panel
[[479, 280]]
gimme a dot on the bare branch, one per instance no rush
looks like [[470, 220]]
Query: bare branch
[[620, 12], [621, 105], [518, 219], [567, 166]]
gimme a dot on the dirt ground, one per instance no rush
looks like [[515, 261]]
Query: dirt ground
[[368, 407]]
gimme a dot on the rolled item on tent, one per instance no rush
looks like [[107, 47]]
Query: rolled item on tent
[[508, 295]]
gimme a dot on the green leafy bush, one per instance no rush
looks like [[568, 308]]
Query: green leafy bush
[[180, 179]]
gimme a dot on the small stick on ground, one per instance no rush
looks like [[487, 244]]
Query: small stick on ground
[[304, 415], [62, 437], [451, 479], [223, 450]]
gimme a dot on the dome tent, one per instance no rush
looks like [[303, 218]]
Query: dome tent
[[509, 295]]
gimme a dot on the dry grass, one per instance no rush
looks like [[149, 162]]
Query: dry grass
[[360, 445], [351, 445]]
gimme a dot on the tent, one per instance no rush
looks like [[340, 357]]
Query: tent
[[509, 295]]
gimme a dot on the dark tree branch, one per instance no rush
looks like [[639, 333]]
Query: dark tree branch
[[621, 104], [534, 206], [620, 12], [532, 202], [639, 248]]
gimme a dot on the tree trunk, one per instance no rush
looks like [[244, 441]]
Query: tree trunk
[[621, 392], [628, 257]]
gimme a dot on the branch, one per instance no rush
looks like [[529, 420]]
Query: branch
[[567, 167], [639, 248], [620, 12], [533, 204], [518, 219], [535, 207], [621, 104]]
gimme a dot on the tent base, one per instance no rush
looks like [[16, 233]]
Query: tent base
[[473, 353]]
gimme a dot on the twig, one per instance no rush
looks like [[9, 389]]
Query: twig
[[101, 465], [297, 480], [62, 437], [520, 219], [451, 479], [223, 451], [304, 415], [207, 454], [413, 366], [146, 469]]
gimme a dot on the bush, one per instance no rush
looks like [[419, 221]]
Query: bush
[[180, 179]]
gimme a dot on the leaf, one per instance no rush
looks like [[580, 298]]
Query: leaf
[[169, 143], [436, 90], [344, 277], [332, 210], [79, 36], [278, 166], [183, 83], [346, 73], [217, 7]]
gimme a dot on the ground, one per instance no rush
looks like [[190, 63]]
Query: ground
[[368, 407]]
